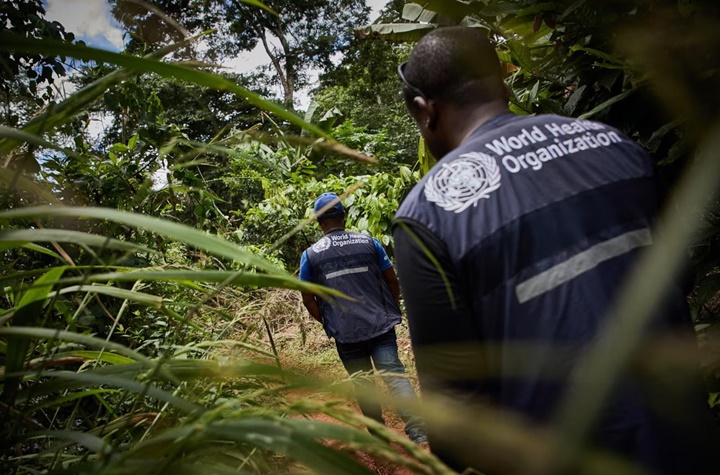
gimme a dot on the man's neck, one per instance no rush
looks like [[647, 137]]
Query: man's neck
[[333, 229], [464, 123]]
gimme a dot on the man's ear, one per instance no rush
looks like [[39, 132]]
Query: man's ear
[[427, 116]]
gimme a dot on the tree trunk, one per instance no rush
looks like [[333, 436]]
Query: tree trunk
[[286, 82], [289, 69]]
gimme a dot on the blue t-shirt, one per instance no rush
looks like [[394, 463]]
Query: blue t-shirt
[[383, 262]]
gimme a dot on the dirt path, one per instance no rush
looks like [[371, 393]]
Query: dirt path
[[304, 348], [378, 466]]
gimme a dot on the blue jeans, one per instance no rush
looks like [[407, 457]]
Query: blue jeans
[[383, 352]]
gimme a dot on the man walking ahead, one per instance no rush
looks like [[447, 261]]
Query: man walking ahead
[[532, 223], [364, 329]]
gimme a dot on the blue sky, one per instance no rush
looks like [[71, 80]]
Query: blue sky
[[89, 20]]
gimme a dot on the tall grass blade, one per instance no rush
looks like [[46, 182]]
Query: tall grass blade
[[59, 401], [132, 295], [164, 69], [40, 289], [80, 100], [180, 232], [214, 276], [27, 313], [92, 442], [66, 235], [91, 377], [87, 340]]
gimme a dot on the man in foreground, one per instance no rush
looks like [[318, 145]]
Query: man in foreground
[[364, 329], [519, 239]]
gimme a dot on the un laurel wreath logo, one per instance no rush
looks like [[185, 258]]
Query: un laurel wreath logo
[[463, 182], [322, 245]]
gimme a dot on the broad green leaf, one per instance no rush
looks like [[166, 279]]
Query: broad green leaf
[[600, 54], [66, 235], [425, 158], [40, 291], [571, 9], [180, 232], [133, 140], [575, 97], [607, 104], [26, 314], [456, 9], [40, 249], [309, 115], [402, 32], [417, 13]]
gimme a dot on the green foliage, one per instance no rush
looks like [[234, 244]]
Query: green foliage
[[366, 89], [309, 32], [620, 62], [22, 72], [595, 59], [109, 345], [130, 267], [369, 209]]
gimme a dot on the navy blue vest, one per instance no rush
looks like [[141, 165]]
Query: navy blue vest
[[542, 217], [348, 262]]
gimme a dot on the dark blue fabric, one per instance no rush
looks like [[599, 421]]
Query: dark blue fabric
[[383, 262], [516, 246], [520, 196], [350, 263]]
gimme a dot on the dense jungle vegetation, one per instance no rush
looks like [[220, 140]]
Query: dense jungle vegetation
[[150, 319]]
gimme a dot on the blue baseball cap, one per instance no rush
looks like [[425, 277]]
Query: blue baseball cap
[[324, 200]]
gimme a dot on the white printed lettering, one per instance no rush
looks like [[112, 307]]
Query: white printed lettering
[[571, 148], [499, 146], [514, 167], [533, 160], [554, 129], [580, 143], [603, 138], [537, 134], [515, 143], [544, 155]]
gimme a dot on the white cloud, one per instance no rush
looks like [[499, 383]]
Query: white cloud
[[376, 6], [87, 19], [249, 60]]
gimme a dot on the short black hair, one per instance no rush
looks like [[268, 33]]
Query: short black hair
[[338, 219], [456, 64]]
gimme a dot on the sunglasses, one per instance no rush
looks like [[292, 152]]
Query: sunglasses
[[414, 89]]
